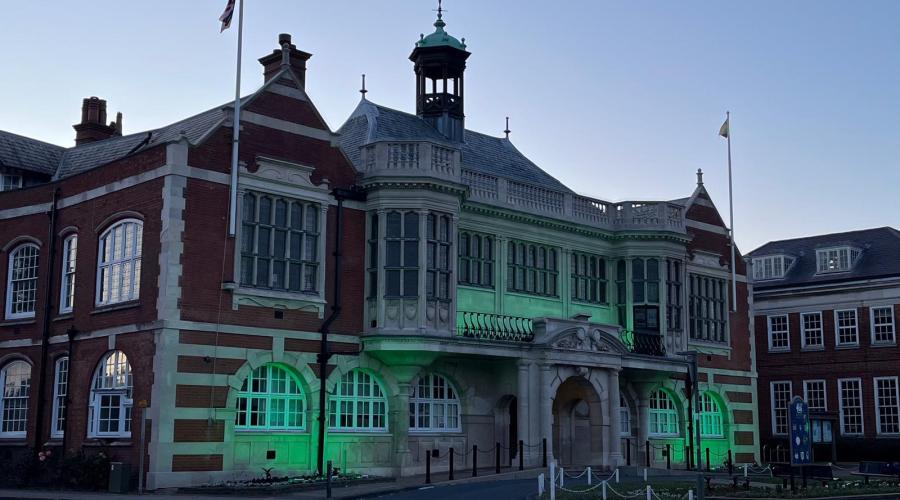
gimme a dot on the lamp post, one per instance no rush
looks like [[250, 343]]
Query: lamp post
[[694, 380]]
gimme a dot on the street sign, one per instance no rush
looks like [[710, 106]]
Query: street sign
[[801, 442]]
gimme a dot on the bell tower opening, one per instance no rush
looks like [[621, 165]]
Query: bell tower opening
[[440, 63]]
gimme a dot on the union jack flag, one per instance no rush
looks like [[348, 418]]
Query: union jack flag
[[227, 15]]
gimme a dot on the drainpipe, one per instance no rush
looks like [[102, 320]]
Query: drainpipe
[[324, 353], [48, 306], [70, 334]]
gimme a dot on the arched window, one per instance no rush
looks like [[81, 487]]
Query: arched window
[[624, 417], [15, 380], [119, 263], [663, 414], [270, 399], [710, 416], [433, 405], [358, 404], [60, 390], [21, 281], [110, 404], [67, 286]]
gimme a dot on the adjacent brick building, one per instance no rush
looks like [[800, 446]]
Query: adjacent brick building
[[825, 309]]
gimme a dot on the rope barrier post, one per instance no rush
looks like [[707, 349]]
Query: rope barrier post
[[628, 452], [497, 458], [604, 490], [474, 460], [541, 484], [730, 462], [690, 494], [617, 476], [745, 470], [589, 475], [552, 480], [647, 452], [708, 466], [668, 456], [428, 467], [328, 480], [649, 493], [645, 475], [521, 455], [451, 464], [562, 477], [544, 444]]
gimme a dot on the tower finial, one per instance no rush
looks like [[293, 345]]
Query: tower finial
[[440, 10], [699, 176], [507, 131], [363, 89]]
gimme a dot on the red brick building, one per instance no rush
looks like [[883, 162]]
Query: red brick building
[[824, 312]]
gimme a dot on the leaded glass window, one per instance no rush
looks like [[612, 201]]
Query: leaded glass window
[[401, 266], [476, 259], [532, 269], [588, 278]]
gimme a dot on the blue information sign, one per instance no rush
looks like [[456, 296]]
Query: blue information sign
[[801, 442]]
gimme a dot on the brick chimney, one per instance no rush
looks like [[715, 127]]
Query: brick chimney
[[287, 55], [93, 125]]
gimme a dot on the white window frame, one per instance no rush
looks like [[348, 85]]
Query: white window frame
[[803, 331], [287, 396], [10, 278], [4, 373], [824, 258], [841, 406], [878, 405], [439, 409], [6, 185], [624, 417], [711, 413], [837, 328], [775, 262], [60, 393], [340, 402], [67, 274], [130, 263], [775, 408], [824, 391], [872, 325], [118, 383], [663, 427], [787, 325]]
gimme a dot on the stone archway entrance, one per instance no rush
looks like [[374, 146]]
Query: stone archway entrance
[[577, 424], [506, 426]]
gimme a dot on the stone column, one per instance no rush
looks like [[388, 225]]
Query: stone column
[[643, 415], [547, 397], [522, 399], [400, 423], [615, 421]]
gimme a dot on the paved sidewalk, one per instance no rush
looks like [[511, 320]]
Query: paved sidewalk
[[409, 483]]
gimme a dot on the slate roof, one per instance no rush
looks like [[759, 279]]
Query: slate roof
[[497, 156], [879, 257], [49, 159]]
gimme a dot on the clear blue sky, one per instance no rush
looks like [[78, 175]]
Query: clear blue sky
[[620, 100]]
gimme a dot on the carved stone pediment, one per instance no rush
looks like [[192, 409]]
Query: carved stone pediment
[[589, 338]]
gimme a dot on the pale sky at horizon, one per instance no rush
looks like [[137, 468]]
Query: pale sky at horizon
[[619, 100]]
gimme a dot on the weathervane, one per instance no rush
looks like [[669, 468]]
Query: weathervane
[[507, 131]]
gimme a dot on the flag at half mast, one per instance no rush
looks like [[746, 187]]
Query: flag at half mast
[[227, 15]]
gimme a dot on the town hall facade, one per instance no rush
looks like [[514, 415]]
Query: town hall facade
[[469, 297]]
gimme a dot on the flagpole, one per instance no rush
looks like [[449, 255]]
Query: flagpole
[[236, 132], [731, 217]]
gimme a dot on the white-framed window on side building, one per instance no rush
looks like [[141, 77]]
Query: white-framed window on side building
[[663, 414], [846, 328], [770, 267], [882, 320], [811, 330], [67, 276], [814, 393], [60, 391], [851, 409], [887, 405], [433, 405], [781, 400], [8, 182], [779, 333], [834, 260], [119, 263], [22, 281]]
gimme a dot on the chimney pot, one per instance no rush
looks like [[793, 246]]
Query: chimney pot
[[93, 126], [287, 54], [284, 38]]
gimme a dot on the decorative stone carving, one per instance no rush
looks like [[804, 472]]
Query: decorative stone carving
[[579, 340]]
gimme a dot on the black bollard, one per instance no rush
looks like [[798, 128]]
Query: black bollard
[[497, 458], [730, 463], [647, 452], [708, 466], [521, 455], [544, 443], [668, 456], [803, 475], [474, 460], [328, 480], [451, 464], [428, 467], [628, 452]]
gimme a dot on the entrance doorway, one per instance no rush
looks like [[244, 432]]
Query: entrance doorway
[[577, 419], [506, 420]]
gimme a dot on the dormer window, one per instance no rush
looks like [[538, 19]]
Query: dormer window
[[833, 260], [771, 267]]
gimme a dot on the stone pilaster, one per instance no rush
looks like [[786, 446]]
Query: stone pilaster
[[615, 442]]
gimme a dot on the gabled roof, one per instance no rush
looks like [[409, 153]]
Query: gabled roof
[[879, 257], [497, 156], [29, 154]]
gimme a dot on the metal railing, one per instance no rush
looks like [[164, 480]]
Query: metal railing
[[643, 343], [494, 327]]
